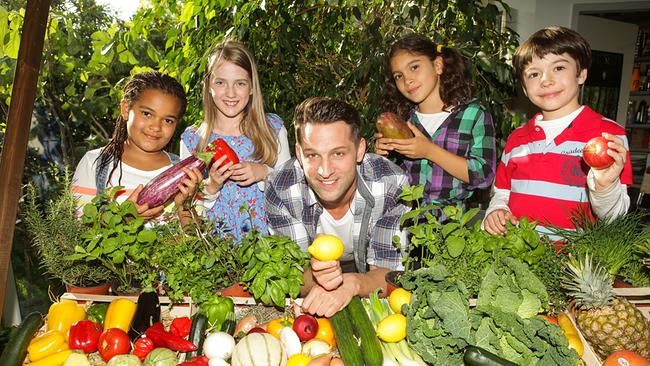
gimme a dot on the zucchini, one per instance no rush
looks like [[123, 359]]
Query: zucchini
[[229, 323], [477, 356], [363, 328], [345, 341], [16, 349], [197, 334], [146, 314]]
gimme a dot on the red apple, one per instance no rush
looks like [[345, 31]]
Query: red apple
[[306, 327], [256, 330], [595, 153]]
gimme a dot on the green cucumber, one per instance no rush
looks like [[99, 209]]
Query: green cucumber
[[363, 328], [477, 356], [345, 341], [197, 334], [16, 349]]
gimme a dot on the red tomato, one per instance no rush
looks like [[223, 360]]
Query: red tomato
[[595, 153], [114, 342], [625, 358]]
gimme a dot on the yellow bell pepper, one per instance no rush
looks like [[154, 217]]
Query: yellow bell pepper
[[45, 345], [120, 314], [56, 359], [63, 314]]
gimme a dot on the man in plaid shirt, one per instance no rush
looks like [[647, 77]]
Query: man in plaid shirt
[[334, 187]]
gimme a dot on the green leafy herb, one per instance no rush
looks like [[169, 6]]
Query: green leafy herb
[[115, 236], [273, 267]]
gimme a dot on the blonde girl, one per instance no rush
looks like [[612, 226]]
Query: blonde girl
[[234, 112]]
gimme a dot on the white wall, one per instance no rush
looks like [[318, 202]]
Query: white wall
[[531, 15], [611, 36]]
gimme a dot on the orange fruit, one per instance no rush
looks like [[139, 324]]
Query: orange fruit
[[275, 325], [325, 331]]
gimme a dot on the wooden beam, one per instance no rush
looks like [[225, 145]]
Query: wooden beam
[[14, 149]]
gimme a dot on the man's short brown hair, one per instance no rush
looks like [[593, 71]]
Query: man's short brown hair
[[555, 40], [324, 110]]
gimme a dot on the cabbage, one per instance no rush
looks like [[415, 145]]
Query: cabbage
[[161, 357], [125, 360]]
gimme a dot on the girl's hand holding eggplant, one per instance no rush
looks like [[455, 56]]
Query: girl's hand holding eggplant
[[144, 211], [188, 186]]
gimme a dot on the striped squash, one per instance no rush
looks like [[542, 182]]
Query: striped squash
[[259, 349]]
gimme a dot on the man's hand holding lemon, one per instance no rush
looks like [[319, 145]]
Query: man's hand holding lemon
[[326, 268]]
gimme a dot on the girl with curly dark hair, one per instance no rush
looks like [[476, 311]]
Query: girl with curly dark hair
[[453, 151]]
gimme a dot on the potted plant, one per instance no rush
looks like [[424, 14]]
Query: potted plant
[[115, 236], [273, 267], [192, 260], [55, 231]]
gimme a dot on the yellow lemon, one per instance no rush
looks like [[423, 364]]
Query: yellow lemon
[[326, 248], [392, 328], [397, 298], [298, 360]]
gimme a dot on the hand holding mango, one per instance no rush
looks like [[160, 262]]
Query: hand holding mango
[[393, 127]]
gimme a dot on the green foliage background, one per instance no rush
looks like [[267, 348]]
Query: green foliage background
[[303, 48]]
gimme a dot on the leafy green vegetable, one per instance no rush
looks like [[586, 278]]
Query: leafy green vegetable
[[440, 322], [510, 286]]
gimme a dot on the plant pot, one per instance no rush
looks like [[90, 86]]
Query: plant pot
[[235, 290], [101, 289], [392, 281]]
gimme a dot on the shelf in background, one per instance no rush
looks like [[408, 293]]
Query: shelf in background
[[637, 125], [640, 93], [640, 150], [642, 59]]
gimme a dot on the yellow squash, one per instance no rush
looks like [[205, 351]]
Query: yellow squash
[[120, 314], [63, 314], [56, 359], [45, 345]]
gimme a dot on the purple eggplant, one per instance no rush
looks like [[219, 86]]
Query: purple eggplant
[[165, 184]]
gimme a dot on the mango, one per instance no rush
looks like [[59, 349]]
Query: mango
[[391, 126]]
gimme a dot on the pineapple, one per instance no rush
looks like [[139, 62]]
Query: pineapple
[[607, 322]]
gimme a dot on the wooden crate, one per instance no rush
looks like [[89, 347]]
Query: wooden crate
[[639, 296]]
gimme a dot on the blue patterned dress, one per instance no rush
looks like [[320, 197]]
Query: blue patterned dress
[[226, 213]]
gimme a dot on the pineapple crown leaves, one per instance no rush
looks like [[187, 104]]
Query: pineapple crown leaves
[[588, 283]]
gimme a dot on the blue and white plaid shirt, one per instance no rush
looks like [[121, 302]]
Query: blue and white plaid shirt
[[294, 211]]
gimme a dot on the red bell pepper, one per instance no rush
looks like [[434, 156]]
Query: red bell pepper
[[84, 335], [221, 148], [142, 347], [181, 326], [162, 338], [196, 361]]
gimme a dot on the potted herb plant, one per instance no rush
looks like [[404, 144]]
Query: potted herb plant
[[273, 266], [55, 231], [115, 236], [192, 261]]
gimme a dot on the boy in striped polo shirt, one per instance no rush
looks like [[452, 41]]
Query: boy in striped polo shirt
[[541, 174]]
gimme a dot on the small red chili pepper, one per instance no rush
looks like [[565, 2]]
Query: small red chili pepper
[[84, 335], [196, 361], [162, 338], [221, 148], [142, 347], [181, 326]]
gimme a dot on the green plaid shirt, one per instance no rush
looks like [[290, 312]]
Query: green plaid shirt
[[467, 132]]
